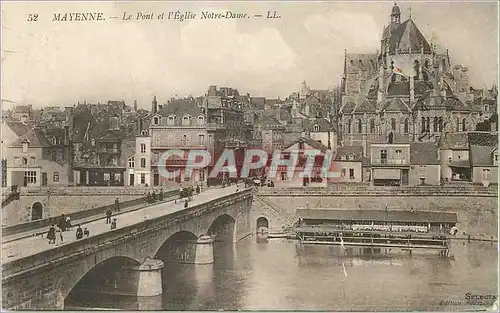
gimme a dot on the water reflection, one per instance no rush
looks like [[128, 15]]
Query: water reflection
[[284, 275]]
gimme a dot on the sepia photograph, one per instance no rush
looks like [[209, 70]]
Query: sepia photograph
[[249, 156]]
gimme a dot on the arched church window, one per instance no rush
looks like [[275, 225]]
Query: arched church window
[[391, 138], [422, 123], [349, 126], [416, 69], [393, 76], [428, 124], [458, 124], [360, 126], [393, 123], [372, 126], [425, 70], [435, 124], [407, 126], [441, 124], [443, 65], [464, 124]]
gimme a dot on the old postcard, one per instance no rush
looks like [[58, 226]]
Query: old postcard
[[291, 156]]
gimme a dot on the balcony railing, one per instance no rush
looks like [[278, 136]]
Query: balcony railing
[[379, 161]]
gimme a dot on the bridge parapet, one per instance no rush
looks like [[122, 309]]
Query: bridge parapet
[[79, 249]]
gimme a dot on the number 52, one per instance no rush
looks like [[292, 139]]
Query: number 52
[[33, 17]]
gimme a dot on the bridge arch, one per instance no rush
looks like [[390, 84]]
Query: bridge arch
[[36, 211], [262, 222], [223, 228], [180, 247], [107, 276]]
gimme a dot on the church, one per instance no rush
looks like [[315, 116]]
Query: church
[[406, 92]]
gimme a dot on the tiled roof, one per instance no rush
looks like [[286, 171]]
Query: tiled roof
[[379, 215], [357, 151], [35, 137], [323, 123], [481, 155], [424, 153]]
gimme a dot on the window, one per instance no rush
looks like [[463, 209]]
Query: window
[[407, 126], [393, 123], [486, 174], [143, 162], [114, 161], [441, 124], [422, 123], [428, 124], [435, 125], [25, 147], [348, 126], [342, 172], [32, 161], [372, 126], [343, 157], [351, 157], [383, 156], [301, 145], [143, 178], [185, 120], [201, 139], [486, 108], [171, 120], [30, 177], [316, 128], [115, 147], [201, 120], [351, 173], [25, 161], [202, 175], [17, 161], [55, 177], [143, 148], [496, 157], [360, 126], [131, 162], [156, 120], [283, 176], [118, 177], [464, 124], [184, 140]]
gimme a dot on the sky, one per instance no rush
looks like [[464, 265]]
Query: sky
[[61, 63]]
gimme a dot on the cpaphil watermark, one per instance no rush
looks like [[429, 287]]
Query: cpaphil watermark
[[471, 299], [298, 163]]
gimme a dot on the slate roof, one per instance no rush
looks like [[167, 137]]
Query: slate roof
[[481, 155], [313, 143], [366, 106], [434, 100], [270, 122], [395, 105], [19, 128], [35, 137], [463, 140], [180, 107], [357, 151], [348, 108], [403, 88], [406, 36], [379, 215], [424, 153], [323, 123], [259, 102], [482, 139]]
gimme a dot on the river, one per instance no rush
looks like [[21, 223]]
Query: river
[[283, 275]]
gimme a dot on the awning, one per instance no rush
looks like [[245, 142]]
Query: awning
[[386, 173]]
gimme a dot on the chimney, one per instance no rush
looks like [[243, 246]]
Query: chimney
[[135, 105], [154, 105]]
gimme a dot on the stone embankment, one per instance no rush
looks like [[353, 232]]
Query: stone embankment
[[477, 207]]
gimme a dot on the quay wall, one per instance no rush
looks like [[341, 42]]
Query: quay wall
[[477, 212]]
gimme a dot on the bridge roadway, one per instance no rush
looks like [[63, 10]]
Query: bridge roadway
[[24, 247]]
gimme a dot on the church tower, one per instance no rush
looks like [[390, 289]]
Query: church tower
[[395, 15]]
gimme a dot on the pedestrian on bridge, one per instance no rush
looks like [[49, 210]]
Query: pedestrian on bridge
[[186, 204], [86, 232], [68, 223], [59, 234], [117, 205], [153, 196], [113, 224], [62, 222], [51, 234], [108, 216], [161, 194], [198, 189], [79, 232]]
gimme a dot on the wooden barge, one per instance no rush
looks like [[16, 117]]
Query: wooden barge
[[405, 229]]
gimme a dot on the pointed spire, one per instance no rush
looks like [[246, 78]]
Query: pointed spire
[[409, 10]]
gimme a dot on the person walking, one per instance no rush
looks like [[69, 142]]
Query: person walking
[[161, 194], [113, 224], [117, 205], [51, 234], [198, 189], [108, 216], [59, 235], [68, 223], [186, 204], [86, 232], [62, 222], [79, 232], [153, 196]]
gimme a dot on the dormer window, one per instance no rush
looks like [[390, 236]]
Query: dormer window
[[201, 120], [25, 146], [186, 120], [351, 157], [316, 128], [343, 157], [171, 120], [156, 120]]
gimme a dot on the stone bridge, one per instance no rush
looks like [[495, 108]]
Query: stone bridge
[[128, 260]]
